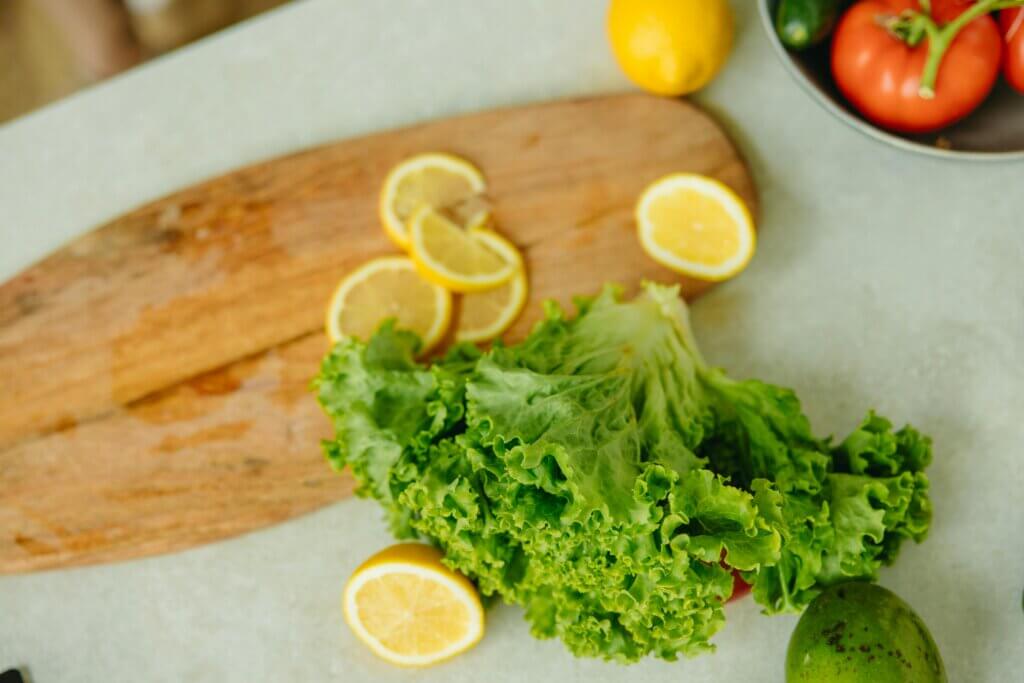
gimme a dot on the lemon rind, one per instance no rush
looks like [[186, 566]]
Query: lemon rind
[[730, 202], [456, 588], [439, 274], [442, 300], [393, 225], [507, 250]]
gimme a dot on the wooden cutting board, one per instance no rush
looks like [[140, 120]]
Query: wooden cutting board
[[154, 373]]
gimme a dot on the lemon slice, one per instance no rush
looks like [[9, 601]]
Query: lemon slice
[[485, 315], [385, 288], [410, 609], [440, 181], [696, 226], [452, 257]]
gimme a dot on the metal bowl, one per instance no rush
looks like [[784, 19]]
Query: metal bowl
[[993, 132]]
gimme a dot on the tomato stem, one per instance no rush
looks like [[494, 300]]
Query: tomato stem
[[909, 27], [939, 39]]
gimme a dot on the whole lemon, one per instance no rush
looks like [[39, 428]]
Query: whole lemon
[[670, 47]]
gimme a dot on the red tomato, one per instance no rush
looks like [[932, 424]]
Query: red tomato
[[740, 588], [948, 10], [881, 75], [1011, 21]]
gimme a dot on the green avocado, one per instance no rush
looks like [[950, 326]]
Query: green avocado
[[862, 633]]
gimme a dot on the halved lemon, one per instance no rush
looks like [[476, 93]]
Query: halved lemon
[[696, 226], [485, 315], [410, 609], [452, 257], [440, 181], [383, 288]]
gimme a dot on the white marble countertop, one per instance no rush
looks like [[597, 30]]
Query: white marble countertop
[[883, 280]]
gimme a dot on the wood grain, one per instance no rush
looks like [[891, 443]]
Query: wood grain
[[155, 371]]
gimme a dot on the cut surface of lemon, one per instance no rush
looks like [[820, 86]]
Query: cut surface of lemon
[[410, 609], [453, 257], [383, 288], [695, 225], [440, 181], [485, 315]]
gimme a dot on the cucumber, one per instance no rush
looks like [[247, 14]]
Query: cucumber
[[803, 23]]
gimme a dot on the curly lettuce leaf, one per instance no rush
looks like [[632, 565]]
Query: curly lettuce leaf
[[857, 523], [602, 476]]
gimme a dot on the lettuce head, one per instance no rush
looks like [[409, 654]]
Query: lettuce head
[[602, 476]]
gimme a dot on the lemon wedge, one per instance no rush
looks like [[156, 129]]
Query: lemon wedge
[[440, 181], [383, 288], [485, 315], [410, 609], [696, 226], [452, 257]]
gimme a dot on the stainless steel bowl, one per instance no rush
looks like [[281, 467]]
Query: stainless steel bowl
[[994, 132]]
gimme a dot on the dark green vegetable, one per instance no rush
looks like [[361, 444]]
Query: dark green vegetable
[[862, 633], [803, 23]]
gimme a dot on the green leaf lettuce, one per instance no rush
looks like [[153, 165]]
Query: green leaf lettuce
[[601, 475]]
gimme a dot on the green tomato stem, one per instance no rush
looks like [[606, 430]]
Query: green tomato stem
[[939, 39]]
